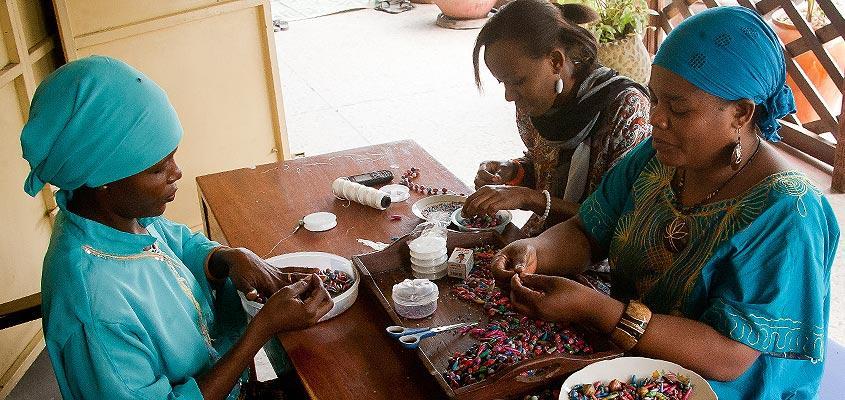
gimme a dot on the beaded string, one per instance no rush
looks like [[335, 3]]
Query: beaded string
[[413, 173], [509, 337]]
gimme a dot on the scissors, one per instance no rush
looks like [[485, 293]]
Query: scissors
[[410, 337]]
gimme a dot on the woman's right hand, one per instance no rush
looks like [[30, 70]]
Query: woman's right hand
[[296, 306], [494, 173], [519, 257]]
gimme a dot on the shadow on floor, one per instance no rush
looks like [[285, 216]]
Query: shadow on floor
[[38, 383]]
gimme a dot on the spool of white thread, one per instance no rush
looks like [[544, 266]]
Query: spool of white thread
[[348, 190]]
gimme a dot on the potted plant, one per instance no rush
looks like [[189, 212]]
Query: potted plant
[[619, 32], [465, 9], [808, 62]]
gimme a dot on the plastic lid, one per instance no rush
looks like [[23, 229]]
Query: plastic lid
[[415, 292], [319, 221], [428, 244], [397, 193]]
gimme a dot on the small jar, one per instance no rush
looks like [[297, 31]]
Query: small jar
[[415, 298], [432, 276]]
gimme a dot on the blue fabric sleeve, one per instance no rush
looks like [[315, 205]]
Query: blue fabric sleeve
[[601, 211], [773, 292], [110, 362]]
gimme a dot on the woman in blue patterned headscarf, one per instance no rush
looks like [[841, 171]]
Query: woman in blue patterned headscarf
[[136, 306], [720, 251]]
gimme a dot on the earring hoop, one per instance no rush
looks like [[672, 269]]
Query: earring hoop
[[736, 154]]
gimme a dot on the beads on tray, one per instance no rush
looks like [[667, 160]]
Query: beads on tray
[[509, 337]]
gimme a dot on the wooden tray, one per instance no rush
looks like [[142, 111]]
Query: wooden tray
[[381, 270]]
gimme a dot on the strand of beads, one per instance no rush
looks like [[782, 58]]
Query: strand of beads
[[509, 337], [412, 174], [668, 386], [336, 282]]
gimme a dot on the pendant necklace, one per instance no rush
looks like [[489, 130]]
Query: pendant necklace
[[676, 235]]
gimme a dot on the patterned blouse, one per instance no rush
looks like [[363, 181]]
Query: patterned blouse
[[622, 125], [756, 267]]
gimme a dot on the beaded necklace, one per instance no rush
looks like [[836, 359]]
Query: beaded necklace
[[677, 231]]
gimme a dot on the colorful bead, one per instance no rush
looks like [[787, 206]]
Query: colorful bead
[[658, 386], [336, 282], [481, 221]]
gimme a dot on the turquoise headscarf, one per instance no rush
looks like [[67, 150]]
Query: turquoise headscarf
[[95, 121], [731, 53]]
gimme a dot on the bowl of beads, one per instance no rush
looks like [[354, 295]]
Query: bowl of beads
[[481, 222], [339, 277], [636, 378], [437, 208]]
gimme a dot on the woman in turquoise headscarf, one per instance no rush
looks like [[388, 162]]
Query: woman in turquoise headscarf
[[136, 306], [720, 252]]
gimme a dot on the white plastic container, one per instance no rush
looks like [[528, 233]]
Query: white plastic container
[[428, 244], [342, 302], [427, 256], [432, 276], [415, 298], [429, 263]]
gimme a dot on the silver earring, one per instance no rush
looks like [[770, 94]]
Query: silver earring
[[559, 85], [736, 155], [104, 187]]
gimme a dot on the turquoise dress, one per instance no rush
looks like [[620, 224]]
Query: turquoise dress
[[756, 267], [130, 316]]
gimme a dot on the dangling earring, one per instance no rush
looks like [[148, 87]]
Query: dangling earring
[[736, 155], [559, 85]]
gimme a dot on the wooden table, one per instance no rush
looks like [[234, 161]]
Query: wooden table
[[348, 357]]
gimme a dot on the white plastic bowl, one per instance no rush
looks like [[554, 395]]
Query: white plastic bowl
[[505, 216], [422, 205], [623, 367], [317, 260]]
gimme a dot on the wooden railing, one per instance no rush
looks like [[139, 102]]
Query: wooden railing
[[822, 135]]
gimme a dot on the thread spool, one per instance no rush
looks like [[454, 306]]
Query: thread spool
[[347, 190]]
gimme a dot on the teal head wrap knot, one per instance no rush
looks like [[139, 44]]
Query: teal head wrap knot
[[732, 53], [95, 121]]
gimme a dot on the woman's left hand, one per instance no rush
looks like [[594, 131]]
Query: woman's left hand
[[551, 298], [492, 198], [257, 279]]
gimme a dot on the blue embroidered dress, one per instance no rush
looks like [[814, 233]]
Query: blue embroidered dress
[[130, 316], [756, 269]]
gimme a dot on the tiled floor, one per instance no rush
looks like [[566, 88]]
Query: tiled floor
[[366, 77]]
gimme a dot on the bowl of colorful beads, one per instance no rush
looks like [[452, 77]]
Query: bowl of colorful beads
[[339, 278], [481, 222], [636, 378]]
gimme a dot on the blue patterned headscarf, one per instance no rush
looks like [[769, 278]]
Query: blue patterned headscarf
[[95, 121], [731, 53]]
